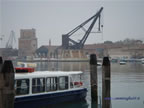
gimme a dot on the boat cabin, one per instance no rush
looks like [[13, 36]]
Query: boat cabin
[[42, 82]]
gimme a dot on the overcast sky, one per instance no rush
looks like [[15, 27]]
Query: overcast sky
[[52, 18]]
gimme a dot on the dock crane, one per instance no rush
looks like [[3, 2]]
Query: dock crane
[[11, 40], [68, 43]]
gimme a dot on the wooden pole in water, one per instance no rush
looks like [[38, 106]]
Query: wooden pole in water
[[7, 85], [106, 80], [1, 61], [93, 78], [1, 83]]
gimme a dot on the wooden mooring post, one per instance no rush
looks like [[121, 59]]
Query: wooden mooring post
[[93, 78], [6, 84], [1, 83], [106, 81]]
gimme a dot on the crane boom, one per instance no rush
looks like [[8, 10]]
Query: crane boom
[[66, 40]]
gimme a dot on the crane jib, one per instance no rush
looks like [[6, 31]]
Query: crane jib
[[68, 43]]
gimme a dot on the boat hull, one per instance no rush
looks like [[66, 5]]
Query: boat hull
[[50, 98]]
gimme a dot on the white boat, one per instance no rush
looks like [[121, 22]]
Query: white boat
[[99, 64], [41, 88], [122, 62]]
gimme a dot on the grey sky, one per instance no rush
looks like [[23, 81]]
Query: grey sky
[[122, 19]]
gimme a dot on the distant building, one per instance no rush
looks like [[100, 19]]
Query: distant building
[[97, 49], [47, 51], [114, 51], [27, 42], [8, 53], [53, 51]]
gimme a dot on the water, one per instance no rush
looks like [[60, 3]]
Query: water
[[127, 81]]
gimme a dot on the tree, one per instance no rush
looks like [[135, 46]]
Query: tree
[[108, 42]]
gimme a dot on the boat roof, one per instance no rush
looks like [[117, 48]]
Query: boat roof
[[38, 74]]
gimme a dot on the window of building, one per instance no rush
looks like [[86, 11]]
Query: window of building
[[38, 85], [63, 82], [22, 86], [51, 84]]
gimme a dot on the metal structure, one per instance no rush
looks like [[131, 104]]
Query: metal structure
[[68, 43], [1, 39], [11, 40]]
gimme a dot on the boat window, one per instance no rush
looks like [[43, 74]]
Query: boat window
[[77, 81], [71, 83], [63, 82], [51, 84], [38, 85], [22, 86]]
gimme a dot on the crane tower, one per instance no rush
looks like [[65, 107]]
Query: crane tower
[[11, 40]]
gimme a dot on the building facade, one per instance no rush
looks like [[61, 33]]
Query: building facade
[[27, 42]]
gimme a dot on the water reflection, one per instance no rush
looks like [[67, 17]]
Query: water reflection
[[76, 104], [63, 66]]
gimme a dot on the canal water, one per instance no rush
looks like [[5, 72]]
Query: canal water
[[127, 83]]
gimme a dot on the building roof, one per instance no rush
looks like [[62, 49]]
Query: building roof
[[102, 46]]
